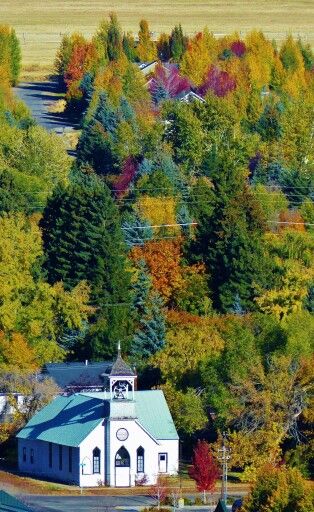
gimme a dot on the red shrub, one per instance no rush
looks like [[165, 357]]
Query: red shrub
[[129, 168], [220, 82], [238, 48]]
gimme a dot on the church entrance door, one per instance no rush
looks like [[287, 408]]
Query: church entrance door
[[122, 468]]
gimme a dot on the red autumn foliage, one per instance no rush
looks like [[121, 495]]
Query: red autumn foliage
[[217, 81], [168, 78], [204, 469], [238, 48], [129, 169], [76, 67]]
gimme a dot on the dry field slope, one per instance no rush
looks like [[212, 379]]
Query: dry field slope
[[40, 24]]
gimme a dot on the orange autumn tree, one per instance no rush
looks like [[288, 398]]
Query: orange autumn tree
[[15, 352], [82, 58], [162, 258], [291, 219]]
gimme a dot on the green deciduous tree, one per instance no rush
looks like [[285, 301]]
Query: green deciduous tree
[[29, 305]]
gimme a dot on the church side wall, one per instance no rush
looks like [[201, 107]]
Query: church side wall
[[37, 461], [96, 439]]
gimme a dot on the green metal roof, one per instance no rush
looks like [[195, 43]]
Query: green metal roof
[[10, 504], [149, 408], [154, 415], [66, 420]]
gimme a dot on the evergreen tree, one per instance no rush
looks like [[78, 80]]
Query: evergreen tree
[[87, 88], [128, 45], [229, 236], [148, 304], [16, 57], [114, 38], [178, 43], [83, 241], [95, 146]]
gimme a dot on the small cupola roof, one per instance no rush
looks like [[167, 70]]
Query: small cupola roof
[[120, 368]]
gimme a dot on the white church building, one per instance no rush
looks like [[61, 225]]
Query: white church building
[[115, 437]]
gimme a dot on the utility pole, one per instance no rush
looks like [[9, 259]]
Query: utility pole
[[224, 462]]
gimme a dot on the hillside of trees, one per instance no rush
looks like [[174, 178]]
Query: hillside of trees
[[184, 229]]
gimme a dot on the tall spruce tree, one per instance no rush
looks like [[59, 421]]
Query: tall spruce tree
[[114, 38], [95, 146], [83, 241], [148, 304], [229, 235], [177, 43]]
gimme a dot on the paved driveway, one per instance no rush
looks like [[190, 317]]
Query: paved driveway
[[97, 503], [39, 96], [85, 503]]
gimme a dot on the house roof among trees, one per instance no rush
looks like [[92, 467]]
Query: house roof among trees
[[78, 375]]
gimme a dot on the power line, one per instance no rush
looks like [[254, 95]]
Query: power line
[[162, 226]]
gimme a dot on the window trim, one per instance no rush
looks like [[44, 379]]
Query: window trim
[[24, 454], [140, 460], [125, 461], [96, 461], [32, 458]]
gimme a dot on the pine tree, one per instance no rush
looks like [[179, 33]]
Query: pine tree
[[229, 236], [128, 45], [150, 336], [114, 38], [178, 43], [16, 57], [83, 241], [95, 146]]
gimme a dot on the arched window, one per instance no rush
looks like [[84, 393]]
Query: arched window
[[122, 458], [96, 460], [140, 459]]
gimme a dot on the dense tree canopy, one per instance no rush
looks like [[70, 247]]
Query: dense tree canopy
[[183, 228]]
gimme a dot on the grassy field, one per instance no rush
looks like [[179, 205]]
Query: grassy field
[[40, 25]]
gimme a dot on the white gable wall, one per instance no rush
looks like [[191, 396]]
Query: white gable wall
[[139, 437]]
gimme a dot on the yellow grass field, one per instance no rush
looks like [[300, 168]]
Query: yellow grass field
[[40, 24]]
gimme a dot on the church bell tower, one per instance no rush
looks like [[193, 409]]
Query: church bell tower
[[121, 380]]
